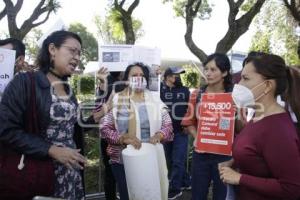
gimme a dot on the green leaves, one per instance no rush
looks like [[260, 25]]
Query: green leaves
[[276, 32], [191, 77], [89, 43], [111, 29], [203, 12]]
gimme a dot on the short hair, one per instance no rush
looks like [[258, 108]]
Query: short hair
[[17, 44]]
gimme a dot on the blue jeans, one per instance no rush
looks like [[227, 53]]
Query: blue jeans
[[119, 174], [205, 170], [176, 155]]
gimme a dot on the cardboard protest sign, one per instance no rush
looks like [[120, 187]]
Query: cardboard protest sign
[[215, 129]]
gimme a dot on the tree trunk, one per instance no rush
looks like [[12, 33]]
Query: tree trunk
[[236, 28], [127, 19], [43, 7], [128, 29], [200, 54], [189, 20]]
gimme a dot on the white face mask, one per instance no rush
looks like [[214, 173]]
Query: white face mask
[[137, 83], [243, 96]]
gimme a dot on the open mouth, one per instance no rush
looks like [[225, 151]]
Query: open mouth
[[73, 65]]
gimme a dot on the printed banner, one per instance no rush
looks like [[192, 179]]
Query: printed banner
[[215, 129]]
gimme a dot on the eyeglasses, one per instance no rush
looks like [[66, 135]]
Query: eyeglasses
[[73, 51]]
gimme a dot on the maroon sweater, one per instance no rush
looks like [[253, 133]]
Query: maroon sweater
[[267, 154]]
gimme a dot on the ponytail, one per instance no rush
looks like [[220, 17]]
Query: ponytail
[[292, 94]]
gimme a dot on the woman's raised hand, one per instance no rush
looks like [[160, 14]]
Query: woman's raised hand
[[102, 74]]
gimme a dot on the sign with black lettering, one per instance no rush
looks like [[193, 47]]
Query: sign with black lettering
[[7, 64]]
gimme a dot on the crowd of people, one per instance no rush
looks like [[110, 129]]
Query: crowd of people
[[41, 137]]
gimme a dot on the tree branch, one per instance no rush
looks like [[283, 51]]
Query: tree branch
[[43, 21], [127, 19], [292, 7], [12, 12], [133, 6], [3, 13], [18, 5], [189, 19], [199, 2], [237, 27], [11, 18], [233, 9], [122, 3]]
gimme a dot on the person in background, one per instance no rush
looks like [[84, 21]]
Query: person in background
[[176, 97], [19, 47], [266, 155], [134, 105], [205, 165], [60, 137], [110, 83]]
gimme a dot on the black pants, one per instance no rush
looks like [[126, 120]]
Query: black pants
[[109, 180]]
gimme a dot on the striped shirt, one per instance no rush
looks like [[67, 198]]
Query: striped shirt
[[112, 136]]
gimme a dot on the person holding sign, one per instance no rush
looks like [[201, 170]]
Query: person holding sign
[[19, 47], [266, 155], [136, 117], [205, 165]]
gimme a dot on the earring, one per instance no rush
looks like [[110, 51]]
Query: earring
[[52, 61]]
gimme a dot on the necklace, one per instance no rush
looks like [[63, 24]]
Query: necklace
[[56, 75]]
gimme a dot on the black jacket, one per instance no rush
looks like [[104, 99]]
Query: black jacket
[[13, 106], [176, 98]]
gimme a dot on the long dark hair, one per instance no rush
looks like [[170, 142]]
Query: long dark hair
[[57, 38], [144, 68], [287, 78], [223, 63]]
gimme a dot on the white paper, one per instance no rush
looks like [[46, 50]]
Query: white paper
[[118, 57], [143, 174], [7, 65]]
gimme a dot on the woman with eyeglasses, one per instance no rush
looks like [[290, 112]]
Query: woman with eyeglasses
[[137, 116], [59, 136], [266, 153]]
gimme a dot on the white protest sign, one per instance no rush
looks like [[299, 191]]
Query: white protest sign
[[118, 57], [7, 64]]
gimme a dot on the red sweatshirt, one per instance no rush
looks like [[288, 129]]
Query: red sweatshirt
[[267, 154]]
